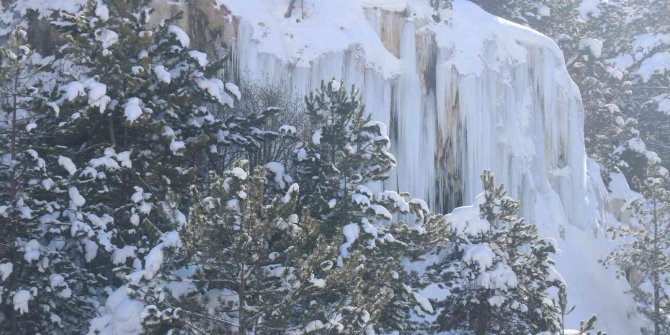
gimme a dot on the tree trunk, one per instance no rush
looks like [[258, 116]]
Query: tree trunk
[[112, 137], [15, 107], [655, 275], [289, 11], [482, 321], [242, 299]]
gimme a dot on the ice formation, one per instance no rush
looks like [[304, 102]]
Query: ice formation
[[467, 93]]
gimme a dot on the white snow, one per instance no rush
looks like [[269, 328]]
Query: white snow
[[659, 64], [423, 302], [181, 35], [239, 173], [162, 74], [73, 90], [277, 171], [234, 90], [314, 326], [31, 251], [153, 261], [67, 164], [124, 159], [106, 37], [133, 110], [318, 282], [478, 254], [619, 188], [301, 40], [594, 46], [102, 11], [138, 195], [287, 129], [316, 137], [292, 190], [351, 233], [90, 249], [96, 91], [543, 10], [120, 255], [590, 8], [121, 315], [215, 88], [20, 300], [75, 197], [46, 8], [58, 284], [5, 270], [200, 57], [466, 220]]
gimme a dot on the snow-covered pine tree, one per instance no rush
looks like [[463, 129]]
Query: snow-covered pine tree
[[345, 152], [645, 250], [500, 270], [261, 268], [141, 115], [145, 115], [631, 37], [43, 288], [612, 132]]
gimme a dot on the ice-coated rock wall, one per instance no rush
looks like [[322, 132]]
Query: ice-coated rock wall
[[461, 93], [470, 93]]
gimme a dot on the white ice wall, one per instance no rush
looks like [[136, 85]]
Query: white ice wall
[[473, 94]]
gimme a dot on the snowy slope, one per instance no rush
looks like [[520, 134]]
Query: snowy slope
[[459, 96]]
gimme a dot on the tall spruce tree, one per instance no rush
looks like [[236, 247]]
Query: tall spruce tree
[[500, 269], [137, 94], [645, 250], [141, 115], [43, 287], [345, 150], [346, 153]]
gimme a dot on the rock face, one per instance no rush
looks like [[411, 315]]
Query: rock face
[[469, 93]]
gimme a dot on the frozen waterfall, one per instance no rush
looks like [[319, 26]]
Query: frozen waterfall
[[461, 93]]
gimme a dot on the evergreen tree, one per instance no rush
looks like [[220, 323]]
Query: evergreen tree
[[254, 273], [501, 270], [143, 115], [346, 149], [645, 250], [585, 327], [43, 288], [345, 152], [140, 116]]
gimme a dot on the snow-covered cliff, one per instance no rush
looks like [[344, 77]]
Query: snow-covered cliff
[[468, 93]]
